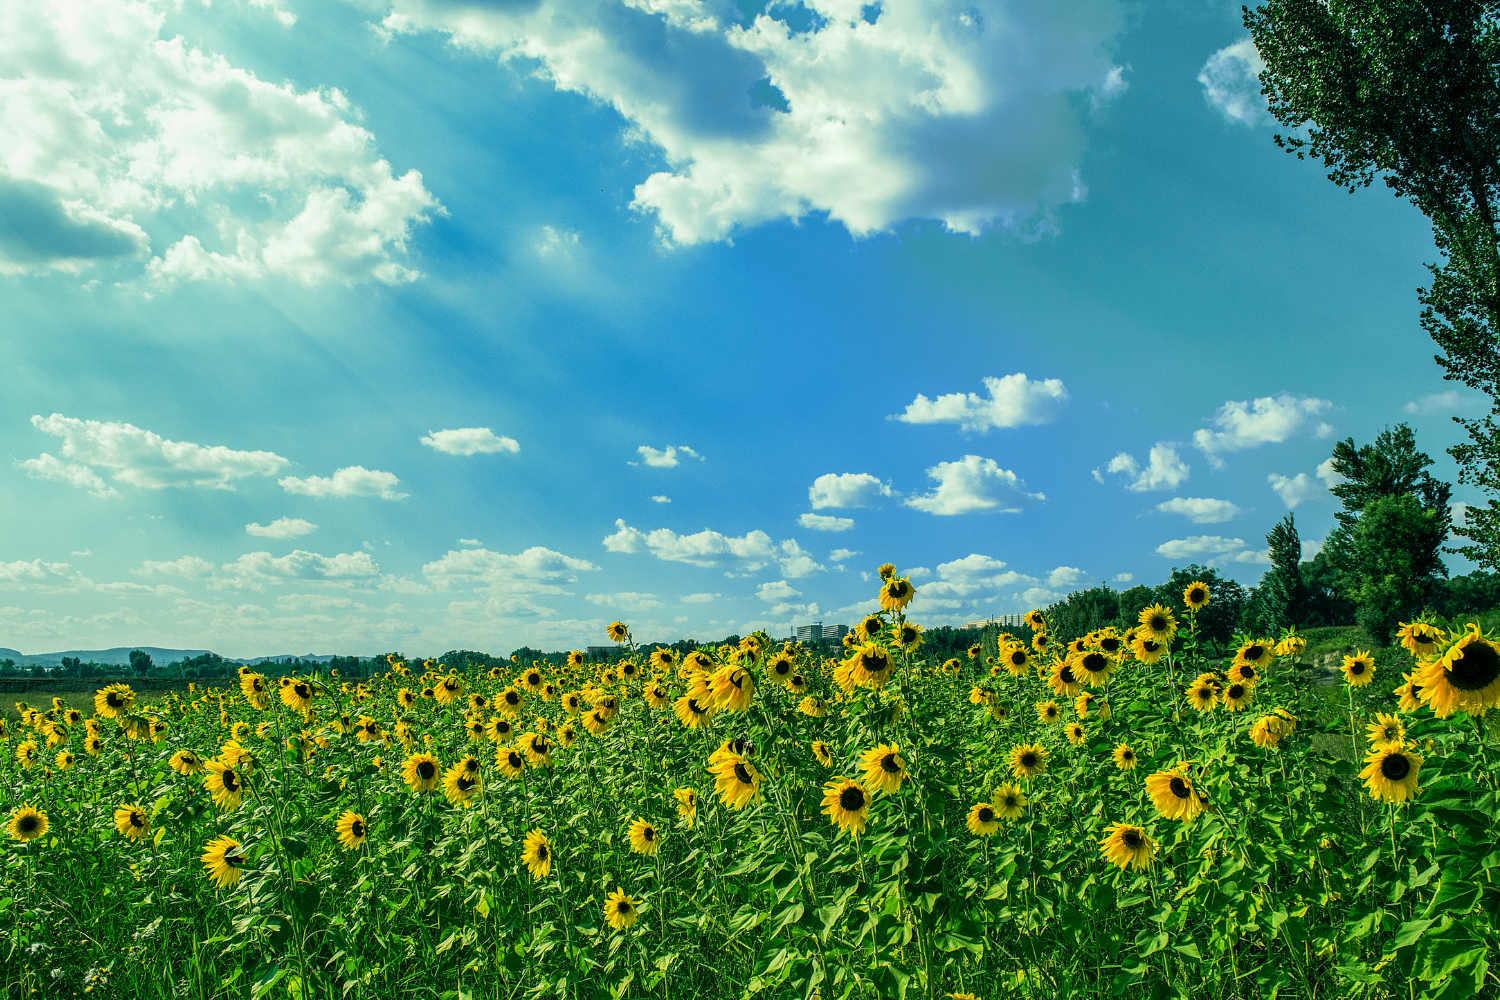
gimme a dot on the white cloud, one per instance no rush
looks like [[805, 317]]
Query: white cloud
[[665, 459], [779, 590], [627, 601], [970, 575], [537, 570], [1441, 402], [1231, 83], [352, 481], [1213, 549], [471, 541], [45, 466], [1124, 577], [699, 598], [1310, 549], [282, 527], [188, 567], [469, 441], [85, 552], [556, 244], [1066, 576], [1037, 597], [1014, 401], [1267, 420], [842, 555], [750, 553], [105, 125], [823, 522], [1165, 469], [1200, 510], [849, 489], [1301, 488], [42, 576], [974, 485], [936, 110], [141, 458], [253, 570], [661, 499]]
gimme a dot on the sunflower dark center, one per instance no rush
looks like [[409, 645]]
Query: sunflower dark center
[[515, 759], [622, 907], [231, 783], [27, 823], [357, 829], [137, 820], [851, 799], [782, 667], [1131, 839], [1093, 663], [1011, 802], [1158, 623], [1179, 788], [234, 860], [1028, 760], [987, 815], [1395, 767], [648, 833], [889, 764], [511, 698], [541, 852], [1248, 673], [1109, 644], [694, 706], [533, 678], [425, 770], [1205, 693], [1236, 691], [1357, 667], [1196, 595], [1254, 651], [114, 700], [741, 775], [1066, 674], [1151, 645], [1477, 669]]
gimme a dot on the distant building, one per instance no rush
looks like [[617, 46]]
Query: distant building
[[1004, 621], [817, 632]]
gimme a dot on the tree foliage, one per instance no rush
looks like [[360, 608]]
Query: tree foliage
[[1281, 594]]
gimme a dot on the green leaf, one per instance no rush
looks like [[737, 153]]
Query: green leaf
[[1409, 933], [786, 915]]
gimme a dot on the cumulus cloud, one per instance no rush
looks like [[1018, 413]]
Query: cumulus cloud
[[537, 570], [140, 458], [1164, 470], [42, 576], [626, 601], [1124, 577], [1301, 488], [849, 489], [254, 570], [353, 481], [968, 113], [699, 598], [1066, 576], [1200, 510], [666, 459], [843, 555], [974, 485], [749, 553], [661, 499], [282, 527], [469, 441], [1013, 401], [1238, 426], [780, 590], [1231, 83], [104, 124], [1213, 549], [823, 522]]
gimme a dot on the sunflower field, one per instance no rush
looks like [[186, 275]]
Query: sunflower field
[[1121, 815]]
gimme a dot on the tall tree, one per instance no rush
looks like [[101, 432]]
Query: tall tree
[[1282, 595], [1410, 90], [1390, 467]]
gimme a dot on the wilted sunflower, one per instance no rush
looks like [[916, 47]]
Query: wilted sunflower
[[811, 705], [737, 781], [643, 837], [1048, 712], [1010, 801], [1466, 678], [983, 821], [620, 910], [1291, 644], [1269, 730], [884, 767], [1124, 757], [1075, 734], [1156, 622], [1390, 773], [1127, 846], [1028, 759], [617, 631], [797, 684], [732, 689], [26, 824], [1173, 795], [421, 772], [225, 784], [1359, 669], [1195, 595], [1237, 696], [846, 803], [536, 854], [821, 752], [896, 593], [224, 862], [687, 805], [114, 701], [691, 712], [597, 721], [351, 829], [1420, 638]]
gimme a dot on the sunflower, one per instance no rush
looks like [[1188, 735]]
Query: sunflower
[[846, 803], [1110, 643], [1010, 801], [253, 687], [797, 684], [1127, 846], [1410, 695], [225, 784], [27, 824], [460, 783], [1173, 795], [510, 762], [975, 650], [224, 862], [1015, 659], [406, 698], [421, 772], [92, 745], [1390, 773], [1244, 673], [1420, 638], [1259, 653], [1269, 730], [691, 712], [821, 752], [567, 735], [1028, 759], [536, 854], [983, 820], [643, 837], [509, 702], [1359, 669], [1092, 667], [447, 690], [737, 781], [886, 571], [63, 760], [656, 695], [872, 665], [1465, 678], [597, 721], [1157, 623], [1035, 620], [811, 705], [884, 767], [1237, 696], [896, 593], [297, 695], [998, 712], [114, 701], [782, 667], [617, 631], [1195, 595], [732, 689], [186, 763], [1202, 694], [621, 910], [351, 829], [572, 703], [1124, 757], [1039, 642], [1291, 644], [1075, 734], [26, 754], [1048, 712], [1386, 730], [687, 805], [909, 636]]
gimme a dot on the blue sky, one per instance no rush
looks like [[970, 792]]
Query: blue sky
[[357, 327]]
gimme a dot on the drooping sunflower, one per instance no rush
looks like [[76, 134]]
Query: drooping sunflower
[[1268, 731], [114, 701], [1010, 801], [732, 689], [1466, 678], [1124, 757], [1390, 773], [1048, 711], [225, 784], [1386, 730], [1127, 846], [884, 767], [1237, 696], [617, 631], [687, 805], [510, 762], [821, 752], [537, 748], [643, 837], [422, 773], [1028, 759], [257, 693], [812, 706], [351, 830], [597, 721], [1157, 623], [536, 854], [132, 822], [620, 910], [896, 593], [1173, 794], [691, 712], [447, 690], [1410, 694], [224, 862], [846, 803], [1075, 733], [1420, 638], [983, 820], [1291, 644], [26, 824], [797, 684], [737, 781], [1195, 595]]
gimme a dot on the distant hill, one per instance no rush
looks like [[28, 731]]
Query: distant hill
[[121, 655]]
